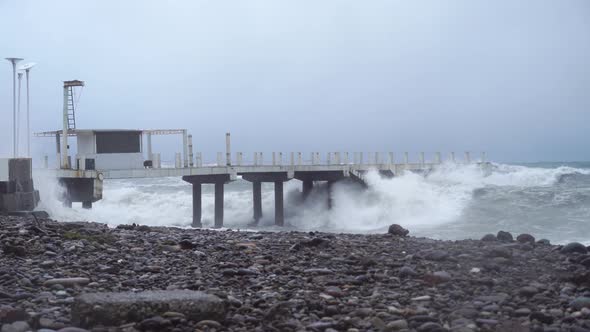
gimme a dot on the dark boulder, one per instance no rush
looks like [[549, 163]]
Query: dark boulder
[[574, 247], [489, 238], [504, 236], [398, 230], [526, 238]]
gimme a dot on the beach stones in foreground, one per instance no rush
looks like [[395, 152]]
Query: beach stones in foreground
[[398, 230], [120, 308]]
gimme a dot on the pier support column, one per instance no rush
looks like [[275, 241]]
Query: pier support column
[[197, 207], [219, 186], [87, 205], [257, 191], [307, 188], [330, 188], [279, 204]]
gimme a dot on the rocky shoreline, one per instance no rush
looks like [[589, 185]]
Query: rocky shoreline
[[73, 277]]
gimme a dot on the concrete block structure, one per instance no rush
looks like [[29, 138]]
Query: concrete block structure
[[17, 192]]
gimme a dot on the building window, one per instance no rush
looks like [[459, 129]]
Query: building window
[[118, 142]]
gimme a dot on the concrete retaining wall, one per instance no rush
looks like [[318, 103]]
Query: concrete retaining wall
[[17, 192]]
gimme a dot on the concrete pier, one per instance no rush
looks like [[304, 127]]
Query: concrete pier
[[219, 189], [197, 205], [219, 180], [307, 188], [257, 200], [279, 204], [85, 185]]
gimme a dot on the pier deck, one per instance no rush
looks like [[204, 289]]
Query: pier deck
[[86, 185]]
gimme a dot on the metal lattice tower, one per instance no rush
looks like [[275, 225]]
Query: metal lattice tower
[[70, 102]]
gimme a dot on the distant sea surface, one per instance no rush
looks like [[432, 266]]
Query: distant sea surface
[[547, 200]]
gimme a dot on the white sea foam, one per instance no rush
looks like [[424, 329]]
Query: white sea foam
[[412, 200]]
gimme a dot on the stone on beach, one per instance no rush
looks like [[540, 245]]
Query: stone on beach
[[504, 236], [398, 230], [67, 281], [573, 247], [119, 308]]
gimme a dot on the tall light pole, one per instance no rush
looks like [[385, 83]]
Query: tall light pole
[[27, 67], [14, 61], [18, 98]]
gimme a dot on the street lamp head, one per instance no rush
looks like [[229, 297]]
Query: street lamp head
[[27, 66], [14, 60]]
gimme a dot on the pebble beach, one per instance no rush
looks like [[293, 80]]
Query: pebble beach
[[81, 276]]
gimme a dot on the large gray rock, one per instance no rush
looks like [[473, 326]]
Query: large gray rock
[[112, 309], [398, 230], [574, 247]]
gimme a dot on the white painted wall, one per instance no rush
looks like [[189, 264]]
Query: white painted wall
[[86, 143], [108, 161], [4, 172]]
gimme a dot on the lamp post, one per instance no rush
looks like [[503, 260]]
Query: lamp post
[[14, 61], [18, 98], [27, 67]]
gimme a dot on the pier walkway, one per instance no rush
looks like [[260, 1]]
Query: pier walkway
[[86, 185]]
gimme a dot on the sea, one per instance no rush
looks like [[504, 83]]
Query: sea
[[456, 201]]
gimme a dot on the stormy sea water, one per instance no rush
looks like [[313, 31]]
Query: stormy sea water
[[548, 200]]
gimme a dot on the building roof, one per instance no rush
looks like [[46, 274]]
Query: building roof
[[75, 132]]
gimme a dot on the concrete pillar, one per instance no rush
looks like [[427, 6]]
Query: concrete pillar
[[422, 161], [337, 157], [377, 161], [184, 148], [292, 158], [255, 158], [406, 158], [157, 162], [149, 145], [227, 149], [219, 186], [45, 161], [64, 139], [307, 188], [199, 159], [279, 204], [239, 158], [453, 156], [467, 157], [274, 158], [391, 159], [345, 158], [219, 159], [87, 205], [329, 159], [438, 158], [299, 158], [191, 161], [280, 158], [330, 198], [361, 158], [197, 205], [257, 199], [261, 158], [178, 160]]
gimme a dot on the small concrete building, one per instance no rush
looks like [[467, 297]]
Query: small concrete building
[[109, 149], [116, 149]]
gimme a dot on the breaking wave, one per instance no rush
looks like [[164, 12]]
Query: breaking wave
[[454, 201]]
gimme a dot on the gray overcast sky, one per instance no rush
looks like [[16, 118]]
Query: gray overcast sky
[[508, 77]]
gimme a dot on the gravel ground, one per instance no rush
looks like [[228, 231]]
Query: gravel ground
[[289, 281]]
